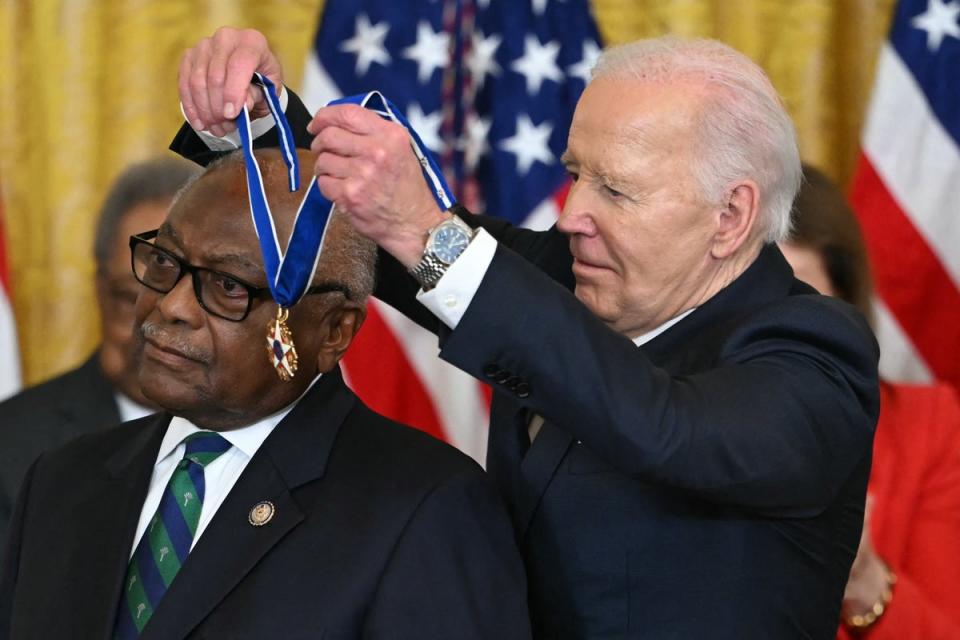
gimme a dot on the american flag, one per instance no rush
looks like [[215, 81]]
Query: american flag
[[906, 192], [490, 86], [9, 349]]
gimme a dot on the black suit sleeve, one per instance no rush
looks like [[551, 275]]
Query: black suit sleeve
[[776, 424], [459, 535], [189, 145], [547, 250], [11, 563]]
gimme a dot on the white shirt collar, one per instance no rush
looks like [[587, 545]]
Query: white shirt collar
[[129, 409], [650, 335], [247, 439]]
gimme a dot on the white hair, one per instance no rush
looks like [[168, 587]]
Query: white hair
[[744, 130]]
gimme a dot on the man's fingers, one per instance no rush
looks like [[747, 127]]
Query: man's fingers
[[250, 53], [331, 188], [332, 165], [186, 95], [220, 52], [198, 83], [351, 117], [340, 142]]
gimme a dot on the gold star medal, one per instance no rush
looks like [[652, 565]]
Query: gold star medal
[[280, 347]]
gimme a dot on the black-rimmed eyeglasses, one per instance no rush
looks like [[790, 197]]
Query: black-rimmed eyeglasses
[[220, 294]]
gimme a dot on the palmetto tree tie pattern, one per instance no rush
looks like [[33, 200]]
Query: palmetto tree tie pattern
[[164, 546]]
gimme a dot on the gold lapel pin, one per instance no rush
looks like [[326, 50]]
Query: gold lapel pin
[[261, 513]]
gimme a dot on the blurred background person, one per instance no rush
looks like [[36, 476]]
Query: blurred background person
[[903, 581], [104, 390]]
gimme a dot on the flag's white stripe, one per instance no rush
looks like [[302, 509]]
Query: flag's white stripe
[[899, 360], [9, 349], [318, 87], [456, 396], [915, 157], [544, 216]]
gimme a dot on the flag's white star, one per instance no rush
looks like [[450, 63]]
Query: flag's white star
[[482, 59], [539, 6], [938, 21], [431, 51], [529, 143], [582, 69], [426, 126], [538, 63], [474, 143], [483, 4], [367, 44]]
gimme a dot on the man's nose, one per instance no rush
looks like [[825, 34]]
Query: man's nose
[[180, 304], [578, 215]]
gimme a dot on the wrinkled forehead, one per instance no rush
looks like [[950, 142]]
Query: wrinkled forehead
[[210, 226]]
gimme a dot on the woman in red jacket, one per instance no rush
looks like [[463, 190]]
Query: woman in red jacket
[[905, 580]]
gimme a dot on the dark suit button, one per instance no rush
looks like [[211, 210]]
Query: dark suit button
[[522, 390], [502, 376], [491, 370], [512, 382]]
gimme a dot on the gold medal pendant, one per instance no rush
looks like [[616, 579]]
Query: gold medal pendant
[[280, 348]]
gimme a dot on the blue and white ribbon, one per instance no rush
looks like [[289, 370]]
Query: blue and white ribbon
[[289, 273]]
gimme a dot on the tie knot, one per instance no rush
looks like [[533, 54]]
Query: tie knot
[[204, 447]]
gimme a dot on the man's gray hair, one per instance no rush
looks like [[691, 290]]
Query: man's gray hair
[[352, 260], [744, 130], [157, 180]]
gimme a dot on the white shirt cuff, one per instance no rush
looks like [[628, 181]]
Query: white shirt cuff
[[231, 141], [455, 290]]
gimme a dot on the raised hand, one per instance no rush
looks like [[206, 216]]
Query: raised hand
[[365, 165], [214, 78]]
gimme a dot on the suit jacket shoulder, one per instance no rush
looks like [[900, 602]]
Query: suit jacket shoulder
[[45, 416], [379, 531]]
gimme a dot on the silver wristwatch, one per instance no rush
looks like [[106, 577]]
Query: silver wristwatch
[[445, 243]]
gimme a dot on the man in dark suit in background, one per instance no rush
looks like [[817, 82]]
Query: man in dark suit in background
[[103, 391], [684, 440], [254, 506]]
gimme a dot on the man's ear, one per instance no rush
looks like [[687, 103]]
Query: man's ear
[[738, 219], [341, 324]]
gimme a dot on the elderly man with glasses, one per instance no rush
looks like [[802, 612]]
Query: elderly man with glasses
[[258, 504]]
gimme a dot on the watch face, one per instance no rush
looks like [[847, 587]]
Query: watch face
[[448, 243]]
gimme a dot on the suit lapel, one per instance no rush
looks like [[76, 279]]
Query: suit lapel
[[537, 470], [107, 519], [294, 454]]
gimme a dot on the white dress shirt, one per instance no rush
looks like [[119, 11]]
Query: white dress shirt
[[219, 476], [128, 409], [231, 141]]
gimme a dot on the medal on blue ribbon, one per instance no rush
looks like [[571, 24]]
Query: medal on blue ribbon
[[289, 273]]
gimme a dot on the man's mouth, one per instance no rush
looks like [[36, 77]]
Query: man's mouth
[[159, 346]]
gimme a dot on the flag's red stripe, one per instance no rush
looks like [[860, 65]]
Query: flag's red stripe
[[560, 195], [909, 277], [382, 377]]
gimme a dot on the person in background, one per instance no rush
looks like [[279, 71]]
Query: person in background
[[903, 581], [103, 390], [265, 500]]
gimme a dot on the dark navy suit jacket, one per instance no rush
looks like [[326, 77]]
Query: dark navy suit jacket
[[46, 416], [380, 532], [709, 484]]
